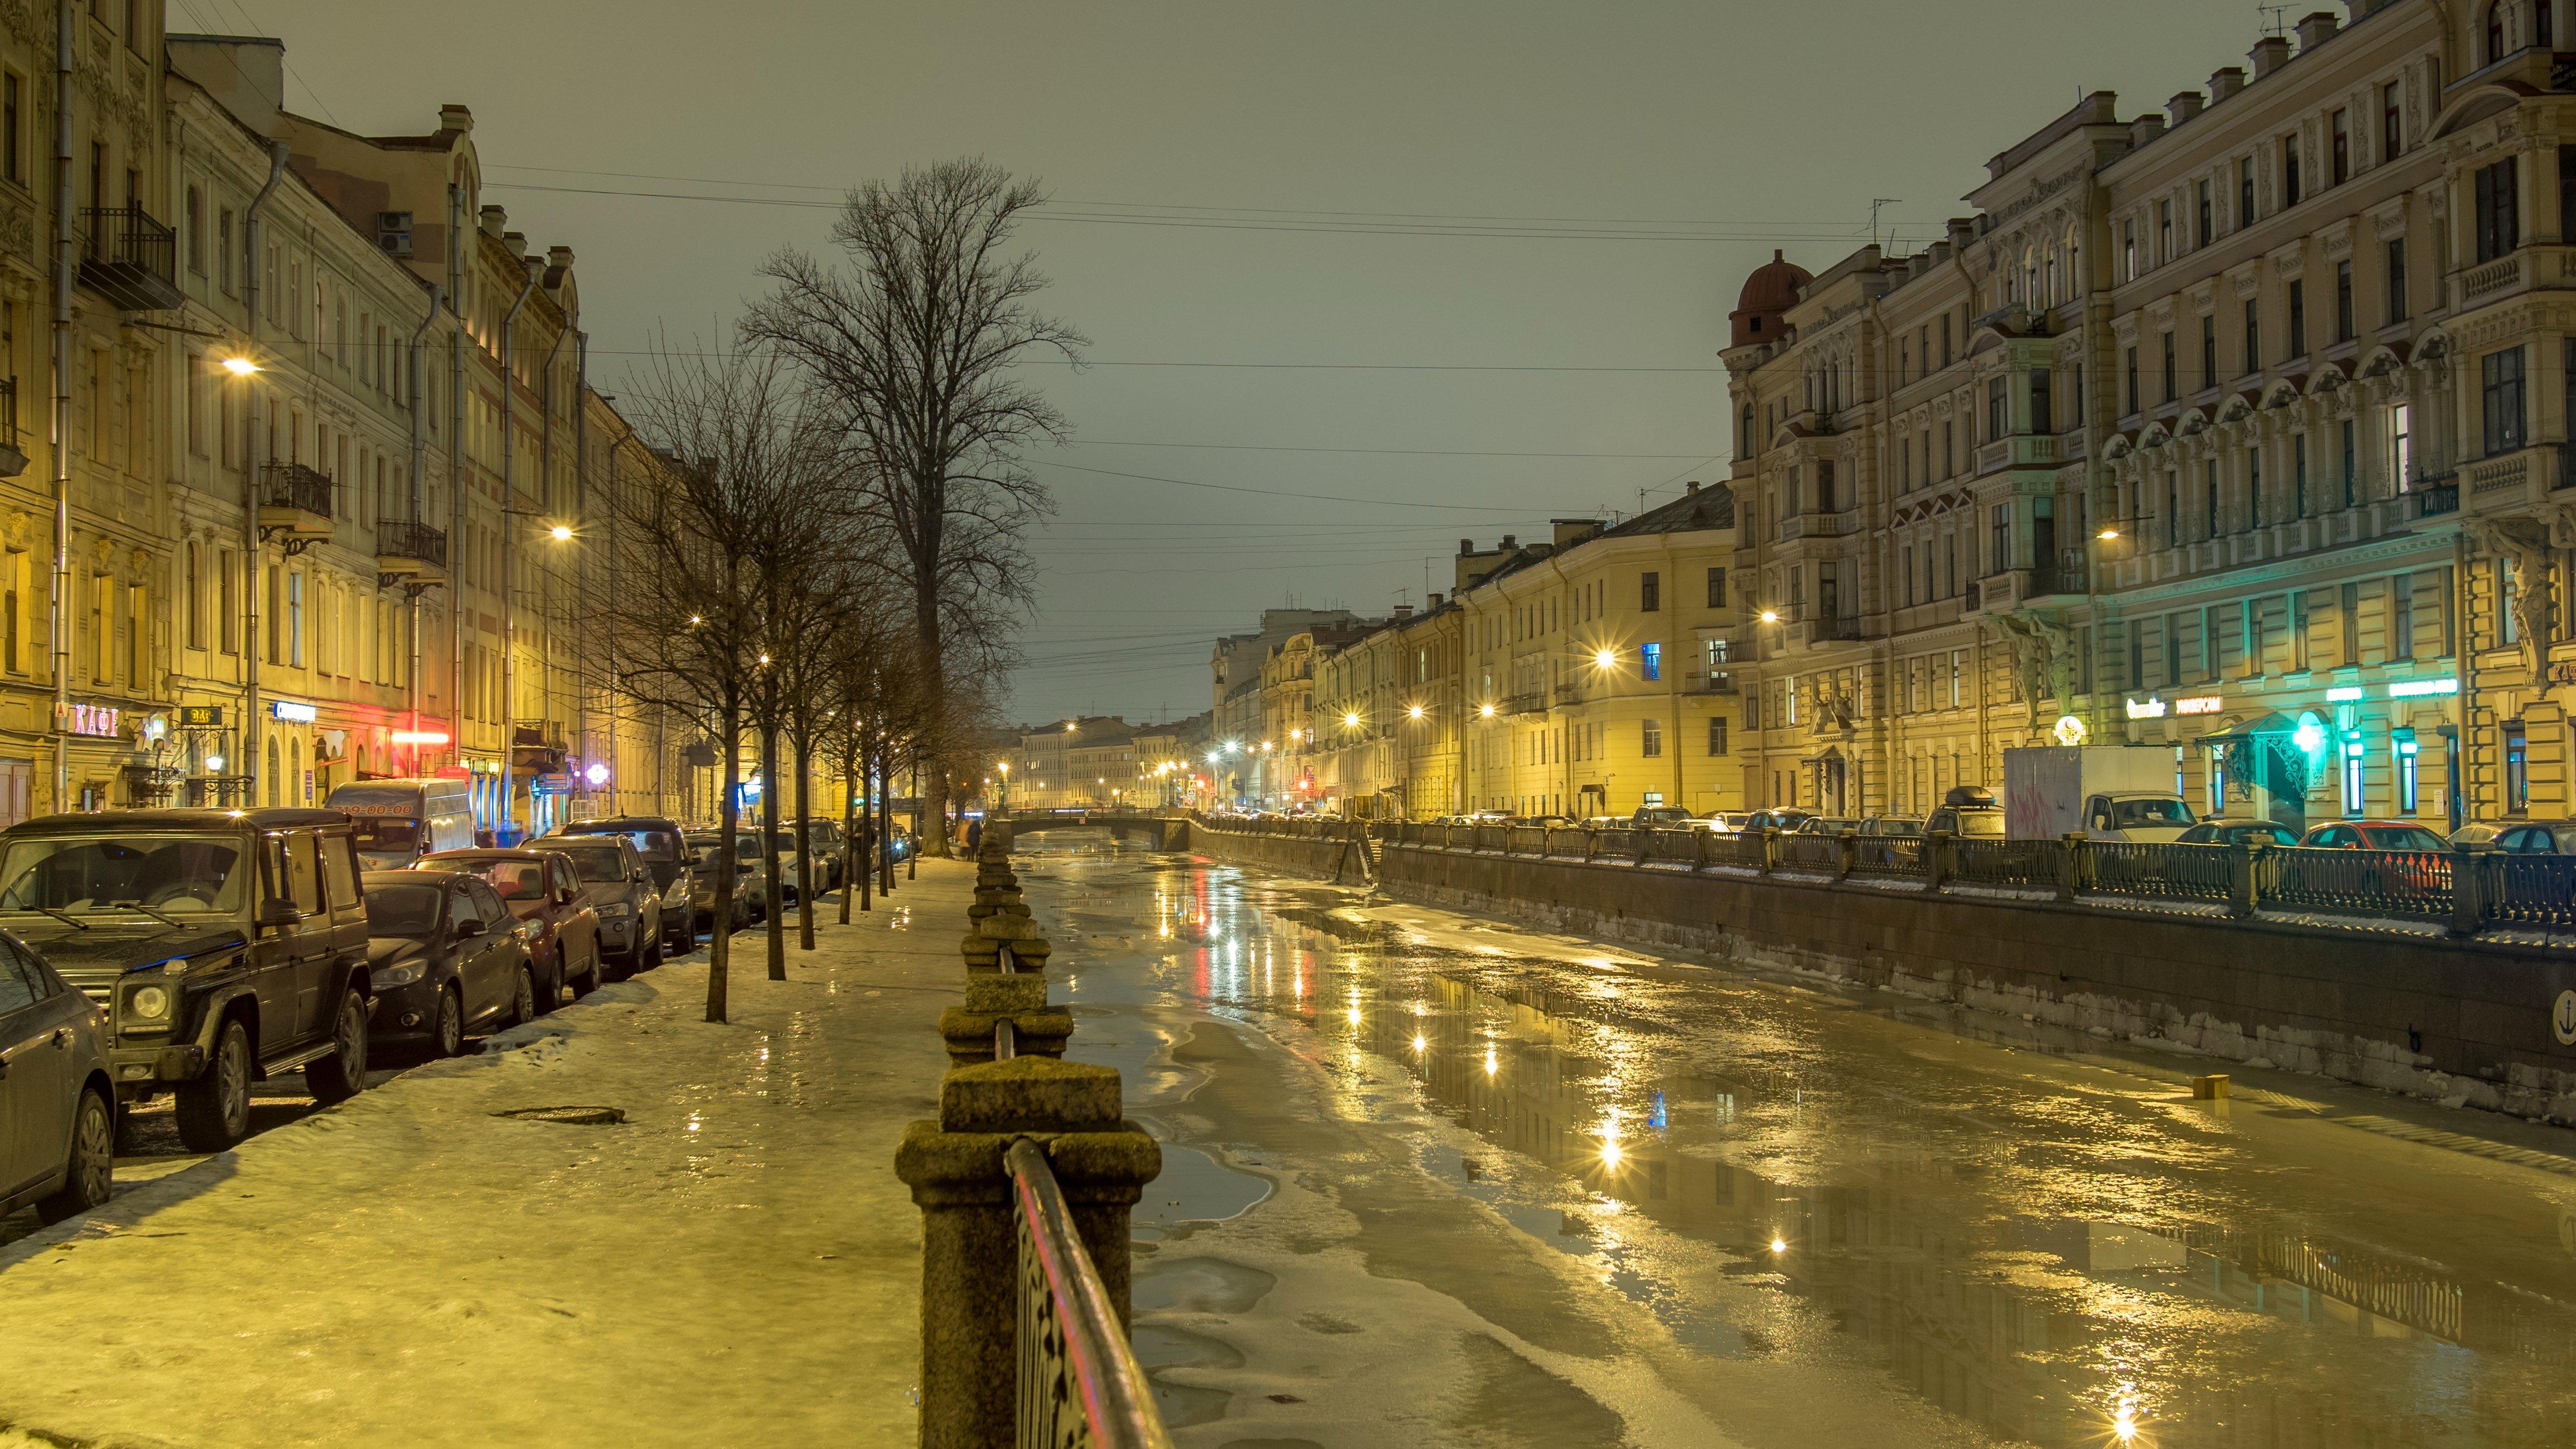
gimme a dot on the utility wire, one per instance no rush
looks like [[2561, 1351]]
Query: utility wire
[[1278, 492]]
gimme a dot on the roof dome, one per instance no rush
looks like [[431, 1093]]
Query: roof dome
[[1770, 292]]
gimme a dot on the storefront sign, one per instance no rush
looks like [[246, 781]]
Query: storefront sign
[[2150, 707], [287, 709], [453, 772], [201, 716], [420, 737], [2069, 731], [2412, 688], [94, 719], [2343, 694], [2199, 704]]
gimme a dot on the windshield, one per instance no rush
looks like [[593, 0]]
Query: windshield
[[403, 910], [2135, 814], [384, 834], [702, 848], [515, 880], [1982, 823], [2402, 837], [1900, 827], [170, 874], [654, 844], [593, 862], [786, 840]]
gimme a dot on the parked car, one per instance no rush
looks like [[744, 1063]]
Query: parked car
[[1548, 822], [1778, 817], [1827, 825], [538, 888], [1967, 811], [228, 945], [447, 958], [749, 896], [56, 1096], [665, 848], [613, 880], [1892, 825], [1723, 822], [2373, 835], [830, 844], [2477, 832], [398, 821], [2221, 830], [788, 874], [1659, 817], [2536, 837]]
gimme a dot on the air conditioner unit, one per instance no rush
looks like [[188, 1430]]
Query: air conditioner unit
[[393, 233]]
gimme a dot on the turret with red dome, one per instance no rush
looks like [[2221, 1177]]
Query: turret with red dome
[[1767, 297]]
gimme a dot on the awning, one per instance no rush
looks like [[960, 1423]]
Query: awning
[[2272, 723]]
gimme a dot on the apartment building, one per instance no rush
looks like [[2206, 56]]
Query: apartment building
[[2166, 442]]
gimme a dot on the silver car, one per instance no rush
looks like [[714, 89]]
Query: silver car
[[57, 1113]]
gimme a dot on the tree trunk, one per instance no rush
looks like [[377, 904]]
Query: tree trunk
[[775, 911], [866, 845], [804, 844], [932, 796], [729, 817], [924, 823], [852, 853]]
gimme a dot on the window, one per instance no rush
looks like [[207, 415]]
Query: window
[[2298, 320], [2040, 419], [2253, 335], [224, 249], [13, 128], [2391, 132], [2397, 311], [2517, 770], [1651, 742], [2402, 741], [195, 604], [1717, 588], [227, 601], [2211, 477], [2254, 486], [2352, 777], [2543, 29], [2171, 391], [295, 619], [2128, 251], [2204, 234], [1945, 339], [2343, 302], [1650, 661], [1650, 588], [2209, 350], [2001, 523], [2299, 474], [195, 367], [196, 231], [2132, 360], [2339, 129], [2164, 232], [2401, 617], [1716, 734], [102, 627], [2497, 227], [2347, 461], [1998, 410], [2399, 460], [2289, 170], [2501, 393], [2495, 32], [16, 581], [138, 640], [2244, 192], [2298, 631], [2173, 651]]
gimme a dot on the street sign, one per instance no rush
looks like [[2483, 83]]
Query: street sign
[[201, 716]]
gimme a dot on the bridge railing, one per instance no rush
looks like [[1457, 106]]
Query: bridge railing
[[2472, 890], [1080, 1382]]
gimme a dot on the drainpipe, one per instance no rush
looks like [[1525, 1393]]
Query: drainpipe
[[61, 642], [411, 512], [456, 245], [509, 547], [253, 737], [546, 488]]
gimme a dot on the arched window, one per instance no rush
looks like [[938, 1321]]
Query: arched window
[[2495, 32], [2051, 295], [272, 772]]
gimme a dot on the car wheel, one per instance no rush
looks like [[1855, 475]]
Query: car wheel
[[449, 1038], [214, 1110], [653, 960], [93, 1162], [587, 979], [343, 1074], [523, 1004]]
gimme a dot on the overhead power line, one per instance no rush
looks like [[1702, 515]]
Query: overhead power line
[[1281, 492]]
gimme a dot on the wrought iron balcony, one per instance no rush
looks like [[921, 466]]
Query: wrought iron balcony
[[129, 258], [1713, 681], [1530, 703], [408, 552], [2437, 498], [294, 501], [13, 451]]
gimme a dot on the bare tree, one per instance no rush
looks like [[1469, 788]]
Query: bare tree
[[743, 470], [913, 342]]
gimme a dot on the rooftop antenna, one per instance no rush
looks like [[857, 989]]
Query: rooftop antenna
[[1875, 203], [2275, 19]]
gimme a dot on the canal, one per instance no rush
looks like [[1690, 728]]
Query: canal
[[1431, 1178]]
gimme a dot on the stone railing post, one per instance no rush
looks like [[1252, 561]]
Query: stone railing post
[[2244, 891], [1699, 849], [1937, 861], [1591, 842], [1770, 849], [2468, 892], [2074, 865], [1643, 838], [1846, 854]]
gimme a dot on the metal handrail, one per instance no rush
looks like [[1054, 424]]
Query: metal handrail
[[1079, 1381], [293, 485]]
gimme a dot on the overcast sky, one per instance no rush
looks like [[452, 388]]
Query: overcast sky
[[1385, 183]]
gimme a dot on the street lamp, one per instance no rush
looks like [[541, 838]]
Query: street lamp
[[1415, 712], [1485, 711], [559, 533], [240, 366], [1605, 659], [1351, 721]]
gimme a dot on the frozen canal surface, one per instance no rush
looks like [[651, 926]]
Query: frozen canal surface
[[1433, 1179]]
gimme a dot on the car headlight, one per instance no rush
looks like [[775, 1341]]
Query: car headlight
[[615, 910], [147, 1003], [401, 973]]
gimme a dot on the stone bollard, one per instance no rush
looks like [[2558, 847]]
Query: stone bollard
[[970, 1267], [1937, 864], [2468, 892], [2074, 864], [1770, 848], [2243, 889]]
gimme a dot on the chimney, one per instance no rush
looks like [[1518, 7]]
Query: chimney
[[1510, 542], [1404, 611], [455, 117], [1691, 487], [1466, 546], [2145, 128], [2315, 29], [2183, 107], [560, 257], [517, 242], [1435, 601], [1963, 230], [2225, 83], [2269, 54]]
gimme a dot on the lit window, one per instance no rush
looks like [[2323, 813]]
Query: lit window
[[1650, 661]]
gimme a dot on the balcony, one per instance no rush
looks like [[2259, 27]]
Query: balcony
[[129, 258], [2530, 268], [410, 553], [1712, 681], [2022, 450], [2063, 575], [2436, 498], [1530, 703], [1829, 630], [1819, 525], [294, 502], [1568, 695]]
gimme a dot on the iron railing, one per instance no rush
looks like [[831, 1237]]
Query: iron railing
[[2174, 872], [1811, 852], [2378, 882], [293, 485], [1079, 1381], [401, 538]]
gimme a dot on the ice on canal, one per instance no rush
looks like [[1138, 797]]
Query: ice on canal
[[1431, 1179]]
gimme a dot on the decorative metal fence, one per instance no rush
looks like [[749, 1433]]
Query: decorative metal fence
[[1080, 1383], [1887, 855], [2038, 864], [2377, 882], [2174, 872], [2526, 890], [1811, 853]]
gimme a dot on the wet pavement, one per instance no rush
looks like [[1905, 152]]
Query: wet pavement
[[1431, 1178]]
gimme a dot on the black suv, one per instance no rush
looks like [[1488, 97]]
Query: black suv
[[224, 945], [667, 858]]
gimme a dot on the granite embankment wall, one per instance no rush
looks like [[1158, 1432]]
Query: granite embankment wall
[[1295, 854], [2381, 1005]]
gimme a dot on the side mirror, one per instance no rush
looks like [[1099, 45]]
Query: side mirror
[[278, 912], [468, 928]]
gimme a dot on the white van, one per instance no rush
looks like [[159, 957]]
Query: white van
[[399, 821]]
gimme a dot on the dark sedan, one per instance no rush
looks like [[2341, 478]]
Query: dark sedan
[[2219, 830], [614, 881], [57, 1118], [447, 958], [539, 889]]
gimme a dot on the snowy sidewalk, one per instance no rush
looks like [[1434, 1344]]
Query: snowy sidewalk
[[734, 1264]]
